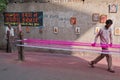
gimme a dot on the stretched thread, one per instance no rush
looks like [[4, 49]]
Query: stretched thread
[[72, 49], [66, 43]]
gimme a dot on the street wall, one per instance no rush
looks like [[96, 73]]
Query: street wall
[[57, 14]]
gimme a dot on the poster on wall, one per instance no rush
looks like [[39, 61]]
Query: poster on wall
[[95, 17], [117, 31], [113, 8], [73, 20], [103, 18], [25, 18], [77, 30], [55, 29], [97, 30], [27, 29]]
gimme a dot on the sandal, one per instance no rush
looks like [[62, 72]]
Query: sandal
[[110, 70], [92, 64]]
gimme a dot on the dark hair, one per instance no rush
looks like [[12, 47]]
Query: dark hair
[[109, 21]]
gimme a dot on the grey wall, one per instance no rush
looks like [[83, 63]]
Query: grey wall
[[57, 14]]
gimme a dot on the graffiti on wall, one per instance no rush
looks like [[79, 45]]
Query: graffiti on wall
[[58, 19]]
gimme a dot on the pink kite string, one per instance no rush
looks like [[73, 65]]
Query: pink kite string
[[66, 43]]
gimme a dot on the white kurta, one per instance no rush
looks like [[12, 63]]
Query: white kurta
[[105, 36], [10, 30]]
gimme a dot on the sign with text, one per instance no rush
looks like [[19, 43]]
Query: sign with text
[[25, 18]]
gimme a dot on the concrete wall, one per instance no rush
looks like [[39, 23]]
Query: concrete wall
[[2, 31], [56, 14]]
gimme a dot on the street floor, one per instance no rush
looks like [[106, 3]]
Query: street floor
[[55, 66]]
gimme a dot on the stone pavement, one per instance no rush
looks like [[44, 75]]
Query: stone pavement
[[52, 66]]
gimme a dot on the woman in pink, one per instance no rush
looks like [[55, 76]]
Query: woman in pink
[[105, 35]]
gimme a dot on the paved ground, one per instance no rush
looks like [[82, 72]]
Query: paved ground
[[51, 66]]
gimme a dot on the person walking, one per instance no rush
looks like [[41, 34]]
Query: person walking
[[105, 35]]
